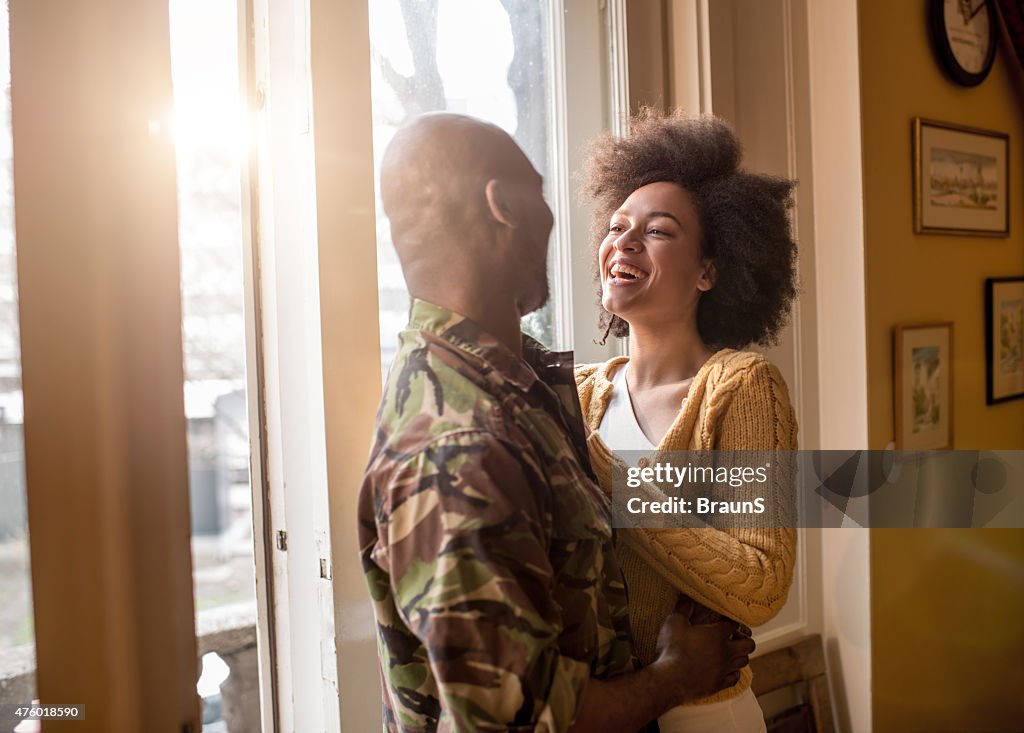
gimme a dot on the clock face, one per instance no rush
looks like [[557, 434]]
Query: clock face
[[964, 32], [968, 28]]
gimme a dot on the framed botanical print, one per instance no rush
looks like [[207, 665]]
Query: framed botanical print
[[924, 386], [961, 180], [1004, 339]]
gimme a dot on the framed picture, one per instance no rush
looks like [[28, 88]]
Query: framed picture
[[961, 180], [1004, 339], [924, 386]]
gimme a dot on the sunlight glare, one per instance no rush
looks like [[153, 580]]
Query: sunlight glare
[[209, 115]]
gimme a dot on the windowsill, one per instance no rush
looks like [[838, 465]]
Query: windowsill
[[228, 631], [18, 674]]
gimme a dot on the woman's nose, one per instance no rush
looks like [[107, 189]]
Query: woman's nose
[[628, 241]]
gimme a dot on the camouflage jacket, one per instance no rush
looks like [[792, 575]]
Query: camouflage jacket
[[485, 540]]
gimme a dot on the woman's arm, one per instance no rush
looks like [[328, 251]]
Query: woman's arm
[[742, 574], [745, 572]]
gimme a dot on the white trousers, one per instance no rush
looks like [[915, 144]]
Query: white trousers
[[740, 714]]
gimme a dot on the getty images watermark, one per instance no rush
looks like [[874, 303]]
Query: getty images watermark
[[732, 489]]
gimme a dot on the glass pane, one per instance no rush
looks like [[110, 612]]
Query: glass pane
[[485, 58], [209, 129], [17, 640]]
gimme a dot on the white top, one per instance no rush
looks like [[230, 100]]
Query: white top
[[619, 428], [620, 431]]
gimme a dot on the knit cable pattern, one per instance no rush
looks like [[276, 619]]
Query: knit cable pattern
[[737, 401]]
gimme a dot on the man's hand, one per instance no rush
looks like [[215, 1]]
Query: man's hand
[[700, 660], [695, 660]]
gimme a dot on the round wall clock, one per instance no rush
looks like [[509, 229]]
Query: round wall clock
[[964, 33]]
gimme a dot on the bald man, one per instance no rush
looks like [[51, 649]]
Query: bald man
[[485, 539]]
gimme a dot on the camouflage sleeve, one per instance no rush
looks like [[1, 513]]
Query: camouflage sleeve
[[466, 548]]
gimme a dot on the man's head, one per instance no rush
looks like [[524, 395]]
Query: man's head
[[465, 203]]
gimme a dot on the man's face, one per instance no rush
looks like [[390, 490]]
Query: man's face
[[531, 239], [527, 223]]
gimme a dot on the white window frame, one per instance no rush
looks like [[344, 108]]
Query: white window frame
[[313, 343], [595, 40]]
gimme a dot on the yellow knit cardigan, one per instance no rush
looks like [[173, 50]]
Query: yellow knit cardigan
[[737, 401]]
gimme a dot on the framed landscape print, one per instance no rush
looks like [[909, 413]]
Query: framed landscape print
[[1004, 339], [924, 386], [961, 180]]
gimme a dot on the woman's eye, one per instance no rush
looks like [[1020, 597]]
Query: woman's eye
[[656, 231], [615, 228]]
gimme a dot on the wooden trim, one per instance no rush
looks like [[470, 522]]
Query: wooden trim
[[618, 55], [835, 186], [100, 301], [803, 662], [267, 591], [346, 237], [688, 80]]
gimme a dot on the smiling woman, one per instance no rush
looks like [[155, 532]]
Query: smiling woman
[[738, 219], [695, 261], [654, 237]]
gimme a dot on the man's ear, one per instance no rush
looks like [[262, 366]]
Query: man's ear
[[498, 202], [708, 277]]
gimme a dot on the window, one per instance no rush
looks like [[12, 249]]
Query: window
[[309, 78], [210, 140], [513, 63], [17, 650], [485, 58]]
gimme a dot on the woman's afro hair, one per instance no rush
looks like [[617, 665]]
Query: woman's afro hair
[[744, 220]]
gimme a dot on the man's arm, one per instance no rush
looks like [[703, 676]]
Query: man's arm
[[465, 544], [695, 661]]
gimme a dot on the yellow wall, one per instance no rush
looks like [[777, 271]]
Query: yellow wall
[[912, 277], [947, 636]]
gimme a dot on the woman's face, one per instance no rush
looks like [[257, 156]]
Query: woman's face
[[651, 266]]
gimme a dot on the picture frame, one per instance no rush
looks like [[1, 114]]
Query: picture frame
[[923, 386], [961, 180], [1004, 339]]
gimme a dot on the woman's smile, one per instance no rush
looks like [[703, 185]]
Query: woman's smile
[[651, 261], [622, 273]]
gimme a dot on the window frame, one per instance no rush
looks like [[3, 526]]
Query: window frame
[[308, 78]]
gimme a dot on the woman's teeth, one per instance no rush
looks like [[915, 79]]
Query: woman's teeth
[[622, 271]]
